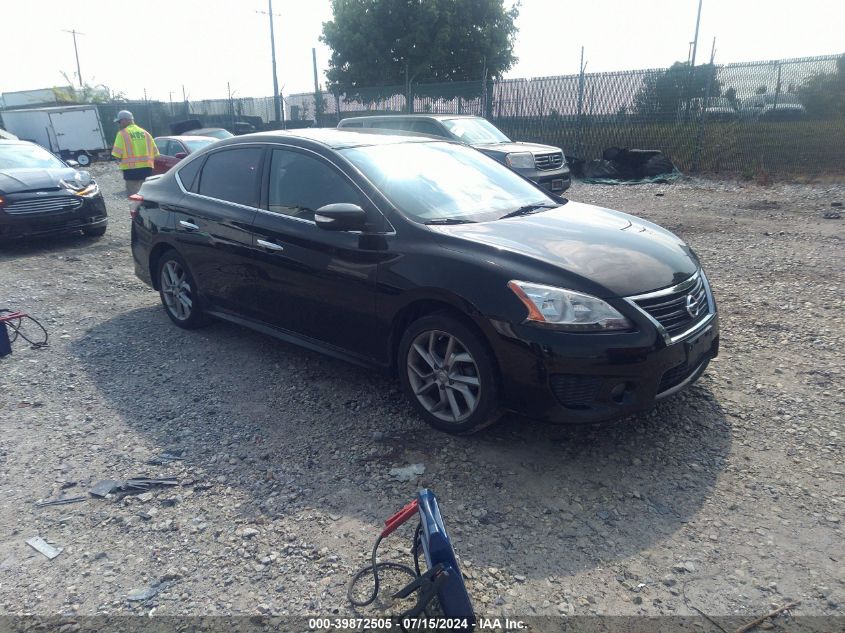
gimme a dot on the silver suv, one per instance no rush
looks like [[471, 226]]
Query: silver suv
[[543, 164]]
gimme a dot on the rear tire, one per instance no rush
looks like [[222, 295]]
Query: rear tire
[[83, 159], [178, 291], [448, 374]]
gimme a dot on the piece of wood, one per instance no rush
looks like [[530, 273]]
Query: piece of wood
[[763, 618]]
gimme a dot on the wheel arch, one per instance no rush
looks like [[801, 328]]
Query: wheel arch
[[155, 255], [456, 307]]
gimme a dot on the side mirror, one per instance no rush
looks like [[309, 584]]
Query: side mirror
[[72, 163], [341, 216], [180, 155]]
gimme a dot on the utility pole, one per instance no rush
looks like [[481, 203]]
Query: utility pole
[[695, 39], [74, 32], [318, 98], [277, 104]]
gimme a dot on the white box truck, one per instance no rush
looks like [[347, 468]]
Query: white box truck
[[72, 132]]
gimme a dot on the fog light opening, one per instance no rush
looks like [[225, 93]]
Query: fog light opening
[[619, 392]]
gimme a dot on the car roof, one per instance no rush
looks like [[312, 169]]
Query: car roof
[[437, 117], [13, 141], [195, 131], [187, 137], [330, 137]]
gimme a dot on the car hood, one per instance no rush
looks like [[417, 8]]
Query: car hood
[[18, 180], [510, 147], [622, 254]]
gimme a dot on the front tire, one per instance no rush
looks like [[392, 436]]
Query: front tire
[[178, 292], [448, 374], [97, 231]]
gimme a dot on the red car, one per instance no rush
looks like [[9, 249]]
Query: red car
[[175, 148]]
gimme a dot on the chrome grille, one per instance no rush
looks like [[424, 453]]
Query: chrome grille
[[548, 161], [670, 308], [44, 205]]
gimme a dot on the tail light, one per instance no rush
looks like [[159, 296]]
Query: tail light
[[136, 200]]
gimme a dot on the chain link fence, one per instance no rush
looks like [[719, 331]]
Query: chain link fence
[[782, 117]]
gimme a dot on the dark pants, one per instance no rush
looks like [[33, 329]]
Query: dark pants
[[134, 178]]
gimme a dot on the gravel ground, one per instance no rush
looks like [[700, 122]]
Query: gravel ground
[[726, 499]]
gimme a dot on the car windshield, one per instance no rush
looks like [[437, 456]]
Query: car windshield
[[445, 182], [475, 131], [26, 156], [197, 144]]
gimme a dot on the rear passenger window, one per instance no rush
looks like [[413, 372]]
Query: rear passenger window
[[232, 175], [188, 175], [427, 127], [348, 123], [388, 125]]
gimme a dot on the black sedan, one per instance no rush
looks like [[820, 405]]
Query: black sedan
[[41, 195], [482, 291]]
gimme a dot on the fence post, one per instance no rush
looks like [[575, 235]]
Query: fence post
[[696, 157], [337, 105], [580, 107]]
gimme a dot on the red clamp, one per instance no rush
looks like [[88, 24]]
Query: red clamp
[[399, 518], [11, 316]]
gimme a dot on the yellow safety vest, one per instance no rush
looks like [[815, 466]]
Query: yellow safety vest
[[134, 147]]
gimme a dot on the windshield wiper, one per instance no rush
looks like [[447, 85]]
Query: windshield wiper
[[450, 221], [528, 209]]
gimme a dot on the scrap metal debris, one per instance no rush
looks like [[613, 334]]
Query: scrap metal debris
[[129, 486], [140, 595], [59, 502], [42, 546], [170, 455]]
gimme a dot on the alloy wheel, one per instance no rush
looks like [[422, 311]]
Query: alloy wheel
[[444, 376], [176, 290]]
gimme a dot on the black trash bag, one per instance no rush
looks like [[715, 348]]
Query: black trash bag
[[657, 165], [600, 168], [576, 165], [621, 163]]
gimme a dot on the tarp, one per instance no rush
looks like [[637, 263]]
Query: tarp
[[662, 178]]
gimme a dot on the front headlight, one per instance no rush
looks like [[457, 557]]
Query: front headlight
[[566, 309], [521, 160], [86, 190]]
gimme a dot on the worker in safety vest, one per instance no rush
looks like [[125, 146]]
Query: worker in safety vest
[[135, 149]]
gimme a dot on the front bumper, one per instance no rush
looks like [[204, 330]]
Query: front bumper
[[565, 377], [555, 180], [90, 214]]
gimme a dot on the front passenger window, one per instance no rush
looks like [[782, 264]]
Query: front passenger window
[[300, 184]]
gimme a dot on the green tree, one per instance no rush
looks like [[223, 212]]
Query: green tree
[[667, 94], [392, 42], [87, 93], [823, 95]]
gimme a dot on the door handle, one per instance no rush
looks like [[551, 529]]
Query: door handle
[[188, 225], [272, 246]]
